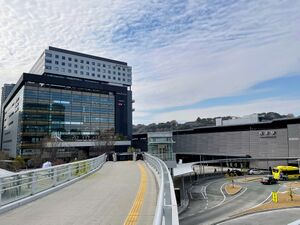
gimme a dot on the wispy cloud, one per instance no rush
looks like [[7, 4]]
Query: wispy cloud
[[182, 51], [267, 105]]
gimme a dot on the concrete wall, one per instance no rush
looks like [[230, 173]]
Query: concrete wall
[[294, 139], [262, 143], [219, 143]]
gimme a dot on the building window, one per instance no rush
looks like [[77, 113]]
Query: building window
[[123, 69], [70, 64], [108, 71], [87, 73], [93, 63], [75, 66], [128, 80], [70, 59], [88, 68], [62, 69], [93, 68], [119, 73], [87, 62], [57, 56], [119, 78], [75, 71], [48, 55], [48, 67], [123, 79], [108, 66], [108, 77], [81, 67], [114, 78], [81, 61], [56, 68], [75, 60], [114, 72], [119, 68], [104, 76], [69, 71], [103, 65], [63, 57], [56, 62], [98, 75], [63, 63], [81, 72], [93, 74], [123, 74], [98, 64], [104, 71], [98, 70], [48, 61]]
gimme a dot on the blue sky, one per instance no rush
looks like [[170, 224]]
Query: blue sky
[[190, 58]]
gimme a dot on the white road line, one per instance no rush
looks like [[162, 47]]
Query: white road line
[[261, 202], [231, 198], [224, 197], [237, 195]]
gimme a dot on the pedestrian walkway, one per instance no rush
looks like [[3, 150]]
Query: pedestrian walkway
[[119, 193]]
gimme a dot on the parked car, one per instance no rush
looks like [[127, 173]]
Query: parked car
[[255, 172], [235, 173], [268, 180]]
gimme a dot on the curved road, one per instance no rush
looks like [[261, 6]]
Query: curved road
[[106, 197], [277, 217], [210, 205]]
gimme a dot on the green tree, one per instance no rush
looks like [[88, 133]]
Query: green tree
[[19, 163]]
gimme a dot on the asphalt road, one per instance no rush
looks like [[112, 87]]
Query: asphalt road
[[278, 217], [209, 204]]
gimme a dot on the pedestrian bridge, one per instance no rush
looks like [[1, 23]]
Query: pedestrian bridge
[[90, 192]]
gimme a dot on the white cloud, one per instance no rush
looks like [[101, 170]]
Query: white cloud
[[182, 52], [267, 105]]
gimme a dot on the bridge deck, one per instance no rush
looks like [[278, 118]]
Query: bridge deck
[[119, 193]]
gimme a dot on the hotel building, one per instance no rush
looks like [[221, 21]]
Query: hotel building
[[71, 96]]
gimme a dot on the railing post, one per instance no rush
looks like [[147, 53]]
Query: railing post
[[54, 177], [33, 183], [1, 190], [69, 172]]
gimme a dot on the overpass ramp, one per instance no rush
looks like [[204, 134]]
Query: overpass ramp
[[120, 193]]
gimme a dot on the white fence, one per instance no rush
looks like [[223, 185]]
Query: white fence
[[166, 209], [30, 183]]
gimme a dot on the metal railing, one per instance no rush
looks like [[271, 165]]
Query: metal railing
[[166, 212], [30, 183]]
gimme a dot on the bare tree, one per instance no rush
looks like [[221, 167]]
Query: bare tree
[[105, 141]]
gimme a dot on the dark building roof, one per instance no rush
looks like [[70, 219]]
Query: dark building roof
[[86, 55]]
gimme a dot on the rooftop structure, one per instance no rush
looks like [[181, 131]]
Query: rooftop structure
[[75, 64], [253, 118]]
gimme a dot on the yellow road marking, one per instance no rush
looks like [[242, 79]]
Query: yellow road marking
[[133, 215]]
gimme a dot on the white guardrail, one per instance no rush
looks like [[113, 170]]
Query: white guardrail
[[166, 209], [39, 182]]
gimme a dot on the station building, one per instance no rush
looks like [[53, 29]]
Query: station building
[[269, 143], [69, 95]]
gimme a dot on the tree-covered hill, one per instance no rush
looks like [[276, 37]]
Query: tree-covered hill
[[199, 122]]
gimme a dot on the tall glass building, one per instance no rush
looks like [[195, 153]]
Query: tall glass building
[[75, 108]]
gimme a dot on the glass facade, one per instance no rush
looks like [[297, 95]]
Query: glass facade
[[69, 114], [160, 144]]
